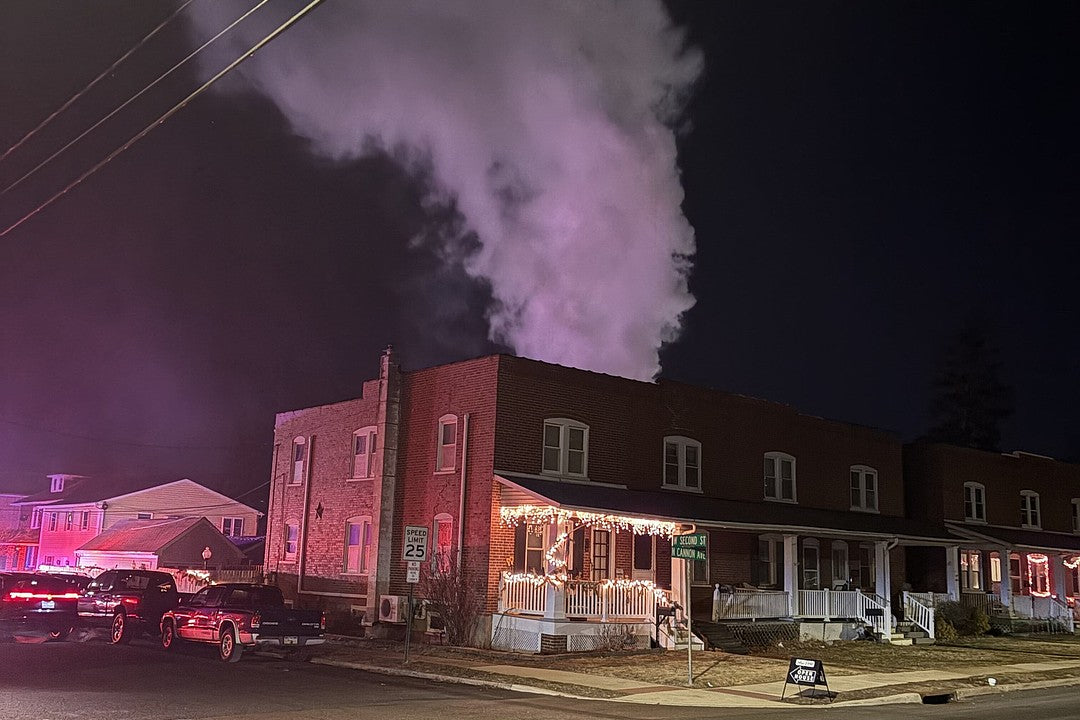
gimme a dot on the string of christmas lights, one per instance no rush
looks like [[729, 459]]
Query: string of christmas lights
[[545, 514]]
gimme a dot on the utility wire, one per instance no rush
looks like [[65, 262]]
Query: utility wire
[[95, 81], [128, 443], [127, 102]]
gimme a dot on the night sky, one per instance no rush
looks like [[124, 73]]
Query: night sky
[[860, 178]]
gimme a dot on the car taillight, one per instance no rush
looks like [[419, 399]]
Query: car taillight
[[256, 620], [17, 595], [133, 601], [322, 622]]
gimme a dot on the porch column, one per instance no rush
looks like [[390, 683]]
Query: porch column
[[1057, 572], [680, 591], [952, 572], [791, 577], [1005, 585], [883, 581], [555, 600]]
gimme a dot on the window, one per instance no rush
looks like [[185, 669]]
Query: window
[[52, 521], [534, 549], [682, 463], [358, 545], [601, 554], [779, 477], [864, 488], [971, 570], [48, 559], [811, 565], [446, 456], [31, 558], [995, 571], [69, 519], [145, 516], [1016, 575], [35, 518], [699, 572], [974, 502], [768, 555], [232, 527], [864, 568], [363, 453], [840, 571], [644, 549], [1039, 572], [84, 521], [57, 485], [292, 533], [299, 455], [1076, 515], [1029, 509], [566, 447], [444, 544]]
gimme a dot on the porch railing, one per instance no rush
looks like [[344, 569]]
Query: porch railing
[[743, 604], [523, 595], [920, 611], [581, 599]]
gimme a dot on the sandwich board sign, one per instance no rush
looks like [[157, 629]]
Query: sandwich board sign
[[803, 671]]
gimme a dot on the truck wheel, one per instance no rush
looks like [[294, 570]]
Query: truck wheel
[[228, 649], [121, 632], [168, 635]]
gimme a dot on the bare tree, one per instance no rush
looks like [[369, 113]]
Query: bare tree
[[456, 600]]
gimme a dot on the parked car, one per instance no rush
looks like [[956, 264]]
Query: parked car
[[35, 604], [239, 616], [128, 602]]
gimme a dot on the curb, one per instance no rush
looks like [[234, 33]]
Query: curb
[[963, 693]]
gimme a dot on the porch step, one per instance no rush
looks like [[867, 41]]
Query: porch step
[[719, 637], [922, 640]]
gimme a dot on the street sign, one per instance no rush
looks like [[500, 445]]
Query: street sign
[[804, 671], [415, 547], [690, 547], [412, 575]]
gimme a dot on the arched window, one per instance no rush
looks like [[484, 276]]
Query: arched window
[[780, 477], [358, 545], [974, 502], [363, 452], [566, 447], [299, 459], [446, 455], [682, 463], [1029, 509], [864, 488], [291, 539], [441, 558]]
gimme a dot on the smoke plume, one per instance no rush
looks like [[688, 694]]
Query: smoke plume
[[547, 125]]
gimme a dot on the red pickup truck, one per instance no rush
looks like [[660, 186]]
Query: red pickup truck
[[239, 616]]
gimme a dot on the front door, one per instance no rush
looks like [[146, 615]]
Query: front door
[[645, 557]]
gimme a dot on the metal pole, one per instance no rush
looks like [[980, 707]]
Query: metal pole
[[408, 625], [689, 631]]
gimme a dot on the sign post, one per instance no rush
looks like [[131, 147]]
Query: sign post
[[803, 671], [413, 552], [694, 546]]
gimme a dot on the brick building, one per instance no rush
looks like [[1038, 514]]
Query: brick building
[[557, 491]]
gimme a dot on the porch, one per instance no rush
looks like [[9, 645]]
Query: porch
[[857, 606]]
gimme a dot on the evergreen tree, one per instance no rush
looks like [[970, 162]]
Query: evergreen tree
[[970, 399]]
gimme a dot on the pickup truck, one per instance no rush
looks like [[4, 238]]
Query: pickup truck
[[240, 616], [128, 602]]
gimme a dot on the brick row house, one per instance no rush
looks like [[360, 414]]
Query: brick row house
[[557, 491]]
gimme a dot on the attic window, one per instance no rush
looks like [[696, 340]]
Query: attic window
[[57, 485]]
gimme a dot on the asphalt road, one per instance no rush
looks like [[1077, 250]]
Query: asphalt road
[[58, 681]]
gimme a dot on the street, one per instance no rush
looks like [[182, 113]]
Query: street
[[93, 679]]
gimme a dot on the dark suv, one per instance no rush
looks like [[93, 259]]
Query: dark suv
[[32, 604], [128, 602]]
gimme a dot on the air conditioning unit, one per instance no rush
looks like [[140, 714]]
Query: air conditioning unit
[[393, 608]]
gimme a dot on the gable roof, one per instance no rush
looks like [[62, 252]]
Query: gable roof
[[143, 535], [80, 490]]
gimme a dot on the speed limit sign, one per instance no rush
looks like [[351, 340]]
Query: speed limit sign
[[415, 547]]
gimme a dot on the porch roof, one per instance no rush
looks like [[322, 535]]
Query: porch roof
[[719, 513], [1038, 540]]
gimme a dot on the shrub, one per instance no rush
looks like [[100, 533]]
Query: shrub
[[457, 601], [963, 619], [944, 632]]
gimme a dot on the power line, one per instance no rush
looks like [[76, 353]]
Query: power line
[[95, 81], [127, 443], [123, 105]]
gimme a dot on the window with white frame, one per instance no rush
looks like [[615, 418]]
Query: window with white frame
[[971, 570], [69, 520], [780, 477], [446, 456], [30, 562], [84, 521], [864, 488], [811, 565], [974, 502], [52, 521], [534, 549], [699, 572], [441, 558], [682, 463], [769, 553], [566, 447], [358, 545], [1029, 509], [57, 485], [1039, 572], [1076, 515], [363, 452], [995, 571], [232, 527], [841, 574], [35, 518], [144, 516], [292, 535], [299, 458]]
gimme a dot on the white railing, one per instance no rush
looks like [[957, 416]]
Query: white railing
[[919, 611], [873, 611], [523, 595], [829, 604], [1023, 605], [1062, 613], [933, 599], [607, 601], [742, 604]]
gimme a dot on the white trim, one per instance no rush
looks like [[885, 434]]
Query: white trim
[[778, 484], [1028, 509], [973, 486], [682, 444], [565, 425], [363, 521], [371, 439], [865, 472], [1076, 515], [441, 449]]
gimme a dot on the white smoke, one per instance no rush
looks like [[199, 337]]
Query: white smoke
[[548, 123]]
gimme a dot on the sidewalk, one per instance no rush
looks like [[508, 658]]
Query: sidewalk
[[860, 688]]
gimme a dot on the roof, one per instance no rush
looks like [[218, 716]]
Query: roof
[[23, 536], [142, 535], [721, 513], [1018, 538], [81, 490]]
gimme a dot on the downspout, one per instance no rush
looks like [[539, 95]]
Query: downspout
[[270, 506], [461, 497], [301, 550]]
